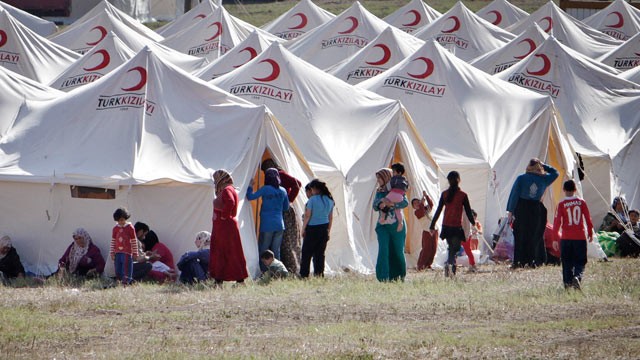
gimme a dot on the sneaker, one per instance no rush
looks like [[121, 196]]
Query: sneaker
[[453, 269], [473, 269], [575, 283], [446, 270]]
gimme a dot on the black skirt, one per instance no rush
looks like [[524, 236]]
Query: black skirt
[[452, 232]]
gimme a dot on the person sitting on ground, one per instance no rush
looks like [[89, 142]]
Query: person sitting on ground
[[194, 265], [162, 264], [82, 258], [10, 265], [627, 245], [616, 218], [634, 217], [275, 268], [141, 264]]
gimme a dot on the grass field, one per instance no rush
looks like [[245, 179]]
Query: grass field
[[496, 313]]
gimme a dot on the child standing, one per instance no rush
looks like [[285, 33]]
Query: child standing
[[571, 216], [422, 209], [455, 201], [124, 245], [399, 186], [472, 242]]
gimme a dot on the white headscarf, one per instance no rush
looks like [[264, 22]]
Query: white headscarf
[[5, 241], [205, 239], [78, 252]]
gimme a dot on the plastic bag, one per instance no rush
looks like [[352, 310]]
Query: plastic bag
[[504, 248]]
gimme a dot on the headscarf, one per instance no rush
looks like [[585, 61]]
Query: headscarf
[[77, 252], [272, 177], [385, 174], [5, 241], [535, 166], [205, 239], [150, 240], [221, 178], [623, 213]]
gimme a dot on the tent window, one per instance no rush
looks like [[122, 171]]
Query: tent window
[[85, 192]]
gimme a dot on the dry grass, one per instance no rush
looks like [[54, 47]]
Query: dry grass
[[496, 313]]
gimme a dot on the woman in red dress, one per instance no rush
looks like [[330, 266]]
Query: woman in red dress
[[227, 262]]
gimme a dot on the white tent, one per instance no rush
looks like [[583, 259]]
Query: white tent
[[99, 61], [465, 33], [482, 127], [502, 13], [346, 134], [105, 6], [255, 44], [386, 50], [625, 56], [38, 25], [619, 20], [298, 20], [413, 16], [567, 30], [17, 90], [188, 19], [338, 38], [600, 112], [213, 36], [632, 75], [29, 54], [515, 50], [152, 134], [82, 37]]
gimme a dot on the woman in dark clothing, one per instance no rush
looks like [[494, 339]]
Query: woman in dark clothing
[[10, 265], [82, 257], [194, 265]]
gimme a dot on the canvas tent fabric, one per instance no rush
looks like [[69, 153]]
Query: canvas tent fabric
[[16, 91], [188, 19], [502, 13], [338, 38], [619, 20], [412, 16], [38, 25], [515, 50], [571, 32], [482, 127], [29, 54], [625, 56], [213, 36], [253, 45], [298, 20], [596, 109], [149, 131], [105, 6], [99, 61], [465, 33], [632, 75], [346, 134], [386, 50]]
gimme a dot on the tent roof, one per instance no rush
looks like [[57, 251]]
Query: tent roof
[[515, 50], [188, 19], [568, 30], [625, 56], [465, 33], [38, 25], [632, 75], [619, 20], [338, 38], [248, 49], [298, 20], [110, 53], [412, 16], [502, 13], [386, 50], [29, 54]]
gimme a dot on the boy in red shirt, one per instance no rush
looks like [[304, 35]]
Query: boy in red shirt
[[124, 246], [572, 215]]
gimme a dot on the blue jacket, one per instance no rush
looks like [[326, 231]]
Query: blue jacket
[[274, 203], [531, 186]]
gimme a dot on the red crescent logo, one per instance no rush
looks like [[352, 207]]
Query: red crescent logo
[[620, 22], [274, 73], [386, 55], [105, 60], [550, 23], [201, 16], [354, 25], [3, 38], [252, 52], [416, 18], [498, 19], [103, 33], [218, 30], [143, 79], [456, 25], [428, 71], [546, 66], [532, 46], [303, 21]]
